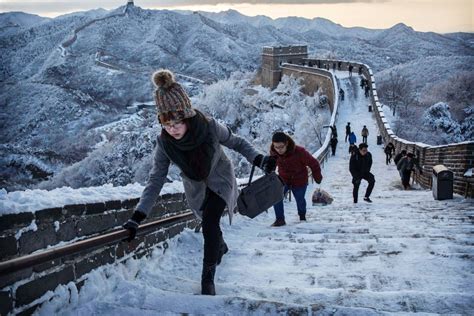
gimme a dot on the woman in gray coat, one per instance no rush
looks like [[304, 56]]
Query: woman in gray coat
[[193, 142]]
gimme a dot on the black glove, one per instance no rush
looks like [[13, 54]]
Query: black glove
[[266, 163], [132, 224]]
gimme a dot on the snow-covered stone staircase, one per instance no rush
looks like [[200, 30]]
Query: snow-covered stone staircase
[[404, 253]]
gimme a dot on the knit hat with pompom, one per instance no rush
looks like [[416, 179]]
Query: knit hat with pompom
[[172, 102]]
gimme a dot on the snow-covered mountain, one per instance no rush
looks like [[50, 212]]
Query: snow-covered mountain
[[13, 22], [63, 79], [297, 24]]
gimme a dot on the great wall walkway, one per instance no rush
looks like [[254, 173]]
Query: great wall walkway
[[404, 253]]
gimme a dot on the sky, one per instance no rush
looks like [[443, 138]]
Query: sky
[[442, 16]]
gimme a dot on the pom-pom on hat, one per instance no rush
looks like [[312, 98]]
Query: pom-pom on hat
[[172, 102]]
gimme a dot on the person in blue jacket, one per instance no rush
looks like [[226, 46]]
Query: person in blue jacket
[[352, 138]]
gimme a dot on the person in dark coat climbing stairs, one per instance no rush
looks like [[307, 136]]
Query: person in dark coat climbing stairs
[[359, 166]]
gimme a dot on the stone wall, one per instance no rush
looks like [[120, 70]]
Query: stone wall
[[313, 80], [456, 157], [20, 291]]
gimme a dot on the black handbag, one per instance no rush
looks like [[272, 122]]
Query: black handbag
[[258, 196]]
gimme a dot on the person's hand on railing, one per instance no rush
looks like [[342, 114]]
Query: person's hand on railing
[[132, 224], [266, 163]]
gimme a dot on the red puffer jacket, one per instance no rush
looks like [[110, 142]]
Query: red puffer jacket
[[292, 165]]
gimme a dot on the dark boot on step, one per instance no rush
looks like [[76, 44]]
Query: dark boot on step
[[207, 279], [279, 222], [302, 217]]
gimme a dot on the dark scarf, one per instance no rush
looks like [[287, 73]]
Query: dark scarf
[[193, 153]]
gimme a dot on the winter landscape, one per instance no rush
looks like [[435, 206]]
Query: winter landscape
[[79, 125]]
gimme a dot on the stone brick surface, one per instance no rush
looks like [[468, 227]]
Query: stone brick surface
[[122, 216], [10, 278], [6, 302], [130, 204], [49, 215], [95, 208], [34, 240], [8, 247], [157, 211], [74, 209], [175, 206], [125, 247], [47, 265], [155, 238], [10, 221], [95, 260], [67, 230], [95, 224], [176, 229], [32, 290], [113, 205]]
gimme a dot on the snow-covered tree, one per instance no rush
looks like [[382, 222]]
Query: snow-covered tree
[[438, 118]]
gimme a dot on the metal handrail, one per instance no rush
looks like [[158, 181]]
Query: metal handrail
[[27, 261]]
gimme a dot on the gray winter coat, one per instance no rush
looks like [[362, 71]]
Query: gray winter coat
[[405, 165], [221, 179]]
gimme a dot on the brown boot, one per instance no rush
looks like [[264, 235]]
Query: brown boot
[[279, 222], [207, 279]]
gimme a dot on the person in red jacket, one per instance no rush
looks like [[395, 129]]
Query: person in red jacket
[[292, 163]]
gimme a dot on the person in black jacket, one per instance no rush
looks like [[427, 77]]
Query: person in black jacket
[[348, 130], [333, 145], [389, 151], [359, 166], [333, 130]]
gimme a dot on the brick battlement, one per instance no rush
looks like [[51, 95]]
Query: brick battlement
[[457, 157]]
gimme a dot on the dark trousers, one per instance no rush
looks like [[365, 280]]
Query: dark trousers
[[212, 212], [388, 158], [333, 149], [364, 139], [406, 178], [369, 177], [298, 193], [347, 135]]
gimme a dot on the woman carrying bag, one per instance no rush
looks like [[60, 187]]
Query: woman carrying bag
[[193, 142], [292, 163]]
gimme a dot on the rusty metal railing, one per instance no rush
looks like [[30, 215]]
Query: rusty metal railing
[[92, 243]]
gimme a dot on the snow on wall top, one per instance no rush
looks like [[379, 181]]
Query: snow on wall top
[[34, 200]]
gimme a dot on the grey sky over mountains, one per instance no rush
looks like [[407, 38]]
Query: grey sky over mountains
[[423, 15]]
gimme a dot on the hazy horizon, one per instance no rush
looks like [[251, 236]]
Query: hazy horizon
[[422, 15]]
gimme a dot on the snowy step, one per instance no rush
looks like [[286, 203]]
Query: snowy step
[[403, 254]]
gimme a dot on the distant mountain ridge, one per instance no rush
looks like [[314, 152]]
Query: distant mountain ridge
[[51, 102]]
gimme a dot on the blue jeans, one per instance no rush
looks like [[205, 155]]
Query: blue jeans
[[298, 193]]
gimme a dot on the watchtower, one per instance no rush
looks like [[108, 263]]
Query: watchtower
[[274, 56]]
